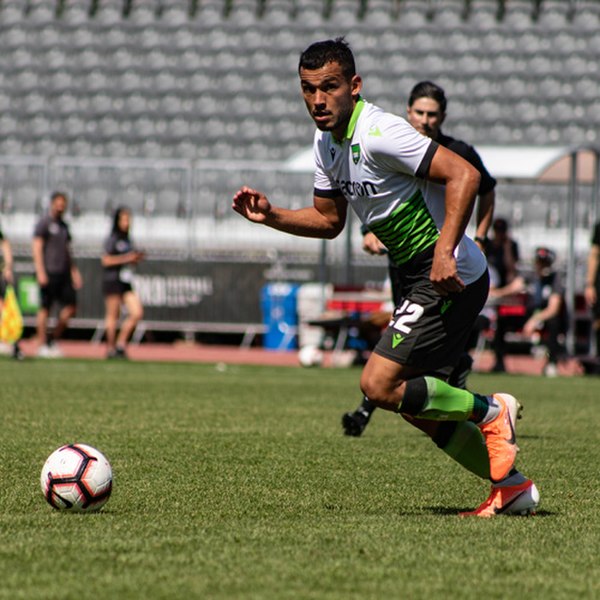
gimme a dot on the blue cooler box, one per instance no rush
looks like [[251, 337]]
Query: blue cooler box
[[280, 315]]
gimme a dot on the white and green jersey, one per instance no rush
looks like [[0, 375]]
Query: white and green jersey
[[379, 167]]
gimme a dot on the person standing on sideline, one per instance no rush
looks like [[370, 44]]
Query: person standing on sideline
[[6, 280], [118, 261], [426, 112], [57, 274], [417, 197]]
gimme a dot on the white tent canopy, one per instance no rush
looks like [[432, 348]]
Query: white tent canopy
[[519, 163]]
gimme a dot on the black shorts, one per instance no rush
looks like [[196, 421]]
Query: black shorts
[[430, 331], [59, 289], [115, 288]]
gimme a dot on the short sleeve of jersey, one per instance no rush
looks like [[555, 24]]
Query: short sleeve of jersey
[[324, 186], [397, 146], [41, 229]]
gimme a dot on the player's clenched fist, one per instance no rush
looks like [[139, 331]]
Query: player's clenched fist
[[251, 204]]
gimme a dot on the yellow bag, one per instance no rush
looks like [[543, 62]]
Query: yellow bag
[[11, 322]]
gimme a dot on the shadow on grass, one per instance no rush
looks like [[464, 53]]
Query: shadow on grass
[[447, 510]]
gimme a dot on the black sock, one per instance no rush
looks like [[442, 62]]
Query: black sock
[[367, 406]]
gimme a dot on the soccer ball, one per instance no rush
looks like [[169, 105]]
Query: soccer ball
[[310, 356], [77, 478]]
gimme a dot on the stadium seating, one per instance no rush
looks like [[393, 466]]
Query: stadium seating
[[215, 80]]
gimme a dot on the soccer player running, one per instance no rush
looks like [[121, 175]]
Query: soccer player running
[[417, 197], [426, 112]]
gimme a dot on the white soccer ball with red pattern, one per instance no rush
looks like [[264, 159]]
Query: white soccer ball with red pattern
[[77, 478]]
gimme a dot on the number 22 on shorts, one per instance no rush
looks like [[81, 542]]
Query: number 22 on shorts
[[405, 316]]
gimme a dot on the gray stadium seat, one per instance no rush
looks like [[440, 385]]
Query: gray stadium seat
[[175, 12], [144, 12], [277, 12], [345, 13], [414, 13], [309, 12], [378, 14], [40, 11], [555, 14], [210, 12], [243, 13], [449, 13], [518, 13], [483, 13], [74, 12], [11, 13], [110, 12], [587, 15]]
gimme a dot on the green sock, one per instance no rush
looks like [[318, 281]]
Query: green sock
[[467, 447], [446, 403]]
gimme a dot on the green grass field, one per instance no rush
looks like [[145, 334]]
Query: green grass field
[[239, 484]]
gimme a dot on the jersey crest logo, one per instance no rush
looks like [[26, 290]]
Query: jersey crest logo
[[355, 153], [332, 152]]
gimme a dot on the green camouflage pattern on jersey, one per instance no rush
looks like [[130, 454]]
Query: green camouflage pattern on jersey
[[410, 229]]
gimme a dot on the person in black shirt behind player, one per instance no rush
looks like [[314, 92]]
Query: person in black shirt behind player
[[118, 261], [426, 112]]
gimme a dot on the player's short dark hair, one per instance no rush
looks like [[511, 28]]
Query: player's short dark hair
[[56, 195], [319, 54], [428, 89]]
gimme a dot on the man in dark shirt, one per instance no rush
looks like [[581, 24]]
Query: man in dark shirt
[[57, 274], [426, 112]]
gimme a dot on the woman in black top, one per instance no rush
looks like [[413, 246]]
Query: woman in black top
[[118, 260]]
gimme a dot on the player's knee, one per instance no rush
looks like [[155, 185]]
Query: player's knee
[[137, 314], [375, 390]]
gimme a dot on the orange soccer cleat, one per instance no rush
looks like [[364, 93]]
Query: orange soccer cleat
[[500, 437], [520, 499]]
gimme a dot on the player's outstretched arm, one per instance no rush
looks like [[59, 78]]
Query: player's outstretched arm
[[325, 219]]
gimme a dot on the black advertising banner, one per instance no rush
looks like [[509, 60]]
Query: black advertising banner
[[187, 290]]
